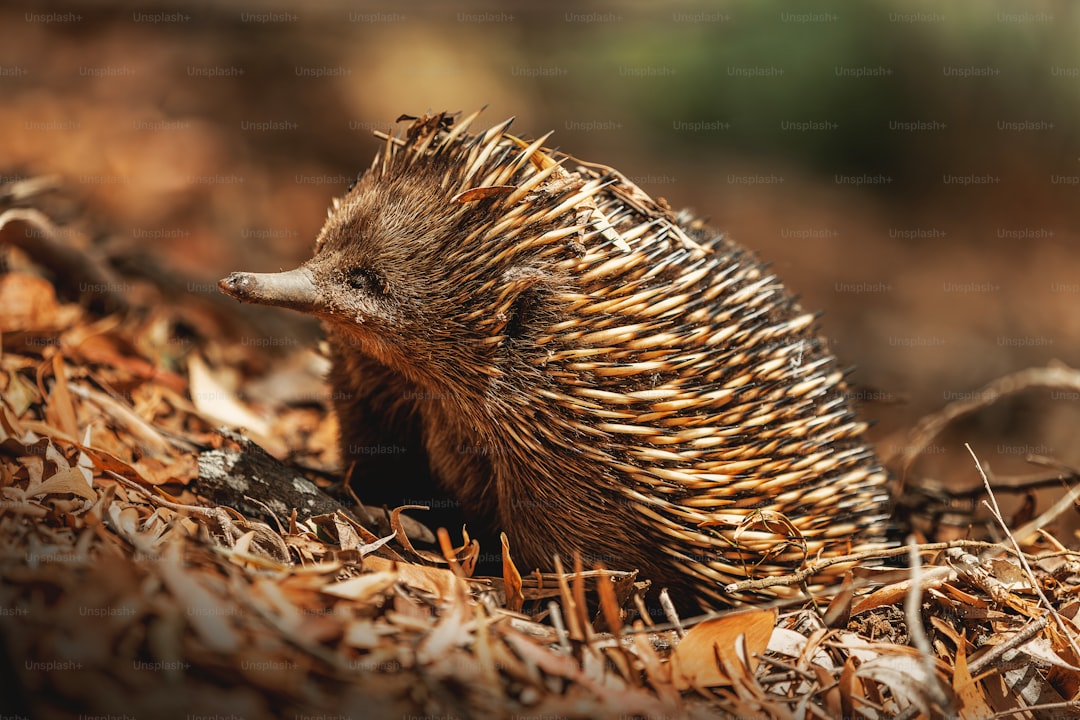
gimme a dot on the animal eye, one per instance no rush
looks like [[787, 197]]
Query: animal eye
[[366, 280]]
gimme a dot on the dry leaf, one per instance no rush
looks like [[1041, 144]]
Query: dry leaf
[[59, 408], [68, 480], [892, 594], [973, 705], [19, 394], [900, 668], [214, 399], [28, 303], [695, 657], [154, 471], [1040, 649], [362, 634], [363, 588], [440, 582], [482, 193], [511, 577], [208, 613]]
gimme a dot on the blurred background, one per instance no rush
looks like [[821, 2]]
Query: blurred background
[[910, 168]]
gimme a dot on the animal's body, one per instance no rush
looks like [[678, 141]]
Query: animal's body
[[579, 367]]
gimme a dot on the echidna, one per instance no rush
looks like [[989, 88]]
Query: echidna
[[578, 366]]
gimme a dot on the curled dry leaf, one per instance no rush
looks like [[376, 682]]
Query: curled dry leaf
[[511, 578], [368, 548]]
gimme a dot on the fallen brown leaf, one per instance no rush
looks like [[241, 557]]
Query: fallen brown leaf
[[695, 657]]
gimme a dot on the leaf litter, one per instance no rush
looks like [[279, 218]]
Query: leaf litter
[[129, 588]]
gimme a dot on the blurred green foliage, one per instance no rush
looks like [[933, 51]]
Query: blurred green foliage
[[857, 65]]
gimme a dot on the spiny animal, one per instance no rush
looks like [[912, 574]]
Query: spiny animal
[[579, 366]]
